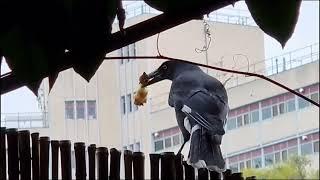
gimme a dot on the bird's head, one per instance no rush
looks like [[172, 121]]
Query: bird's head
[[167, 70]]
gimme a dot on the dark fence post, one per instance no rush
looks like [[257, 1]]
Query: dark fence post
[[179, 167], [227, 174], [80, 153], [115, 164], [168, 170], [127, 156], [189, 171], [25, 154], [3, 154], [55, 159], [251, 178], [237, 176], [154, 166], [65, 151], [214, 175], [44, 157], [203, 174], [13, 154], [138, 165], [102, 153], [35, 156], [92, 161]]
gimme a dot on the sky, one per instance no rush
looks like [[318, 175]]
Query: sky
[[305, 34]]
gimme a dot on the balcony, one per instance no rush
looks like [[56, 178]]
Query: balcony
[[25, 120]]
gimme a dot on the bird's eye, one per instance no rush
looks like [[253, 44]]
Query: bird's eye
[[164, 67]]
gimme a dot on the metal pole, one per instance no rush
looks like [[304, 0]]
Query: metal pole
[[179, 167], [127, 164], [189, 171], [35, 156], [25, 155], [13, 154], [115, 164], [154, 166], [55, 159], [92, 161], [80, 154], [3, 149], [44, 157], [102, 154], [203, 174], [168, 171], [65, 151], [138, 165]]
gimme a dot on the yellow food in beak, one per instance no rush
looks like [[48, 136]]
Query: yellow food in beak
[[141, 96]]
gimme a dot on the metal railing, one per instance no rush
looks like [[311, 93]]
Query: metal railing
[[274, 65], [25, 120], [267, 67], [227, 15]]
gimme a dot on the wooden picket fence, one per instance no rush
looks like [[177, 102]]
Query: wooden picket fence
[[27, 162]]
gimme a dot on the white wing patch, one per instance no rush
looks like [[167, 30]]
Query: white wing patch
[[197, 117]]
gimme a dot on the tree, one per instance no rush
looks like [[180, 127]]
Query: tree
[[41, 39], [297, 167]]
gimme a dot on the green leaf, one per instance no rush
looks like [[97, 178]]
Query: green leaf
[[276, 18]]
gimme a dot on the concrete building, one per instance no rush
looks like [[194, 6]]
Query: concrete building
[[265, 123]]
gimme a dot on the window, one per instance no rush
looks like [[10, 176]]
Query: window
[[137, 147], [176, 140], [275, 110], [125, 51], [80, 109], [277, 157], [181, 138], [239, 121], [123, 105], [293, 151], [246, 119], [257, 163], [254, 116], [167, 142], [129, 103], [316, 146], [131, 147], [248, 164], [284, 155], [268, 159], [132, 48], [266, 113], [306, 148], [91, 108], [158, 145], [281, 108], [291, 105], [302, 103], [315, 97], [241, 166], [234, 168], [69, 109], [231, 123]]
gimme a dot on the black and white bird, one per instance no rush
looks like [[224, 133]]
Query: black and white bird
[[201, 106]]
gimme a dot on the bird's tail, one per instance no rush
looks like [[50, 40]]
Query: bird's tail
[[205, 150]]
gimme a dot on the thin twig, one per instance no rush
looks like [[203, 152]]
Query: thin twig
[[221, 69]]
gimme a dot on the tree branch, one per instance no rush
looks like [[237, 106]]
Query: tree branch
[[222, 69], [133, 34]]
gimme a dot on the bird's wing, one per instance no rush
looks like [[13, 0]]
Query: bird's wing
[[207, 110]]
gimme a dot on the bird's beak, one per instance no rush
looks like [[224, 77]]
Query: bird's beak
[[153, 77]]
